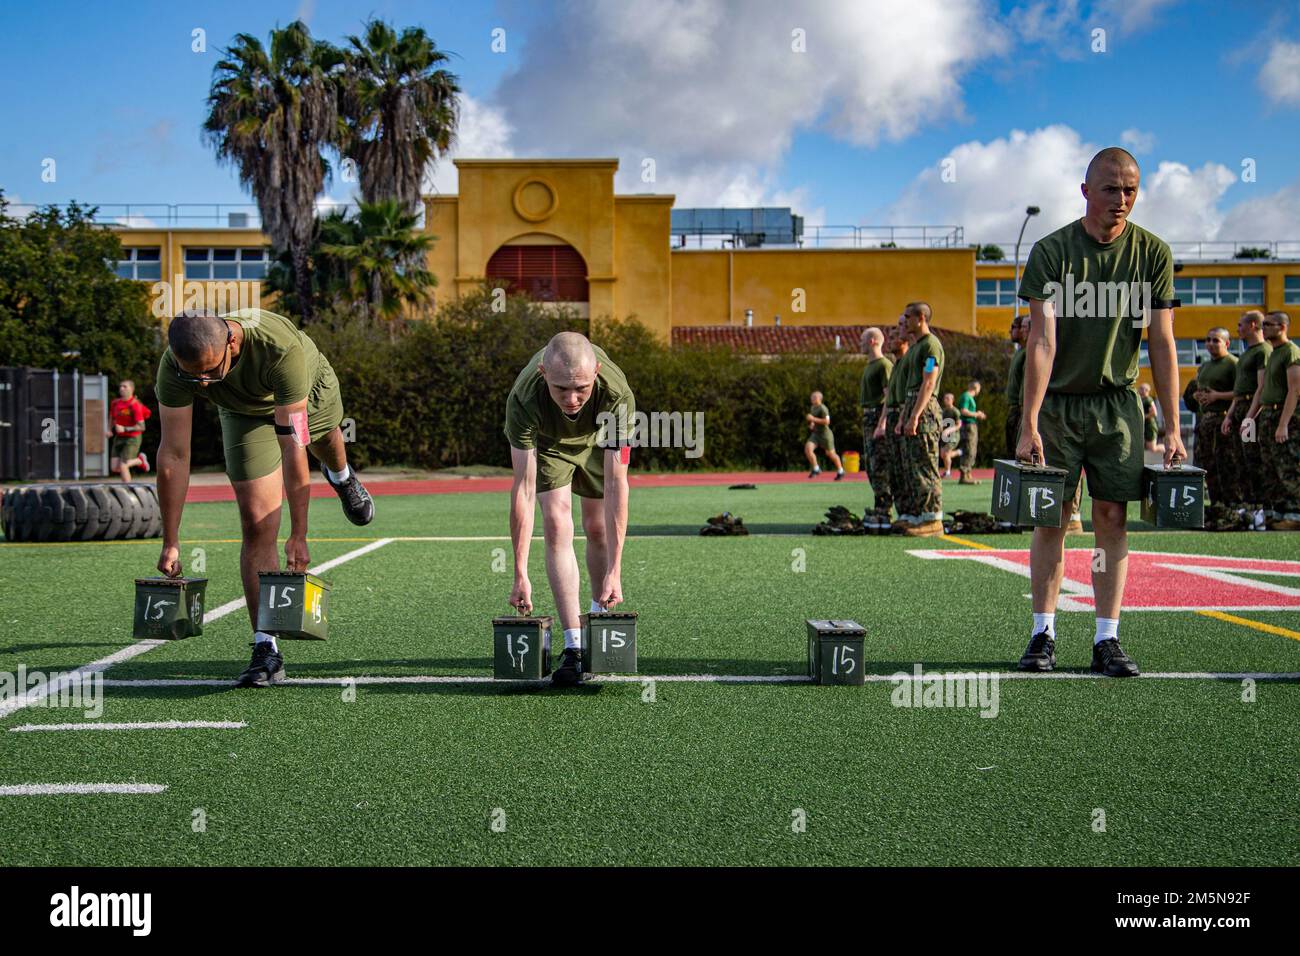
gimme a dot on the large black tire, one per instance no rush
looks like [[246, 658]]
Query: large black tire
[[105, 511]]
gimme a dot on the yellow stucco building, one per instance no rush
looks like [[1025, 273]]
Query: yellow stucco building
[[556, 229]]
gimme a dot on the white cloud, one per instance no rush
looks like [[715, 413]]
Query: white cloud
[[1137, 141], [1273, 216], [1131, 15], [714, 93], [482, 133], [1279, 77], [996, 180]]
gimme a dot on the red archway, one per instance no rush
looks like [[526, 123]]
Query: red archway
[[546, 273]]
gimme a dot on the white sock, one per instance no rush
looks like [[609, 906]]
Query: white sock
[[596, 607], [1107, 628], [572, 638], [1045, 622], [260, 637], [338, 476]]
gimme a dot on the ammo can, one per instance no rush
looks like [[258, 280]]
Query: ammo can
[[1173, 497], [836, 653], [609, 642], [521, 648], [169, 608], [293, 605], [1027, 494]]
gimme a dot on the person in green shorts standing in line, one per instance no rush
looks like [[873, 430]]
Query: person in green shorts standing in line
[[920, 425], [278, 398], [1080, 408], [820, 436], [1215, 379], [1277, 426], [887, 430], [871, 396], [568, 422], [970, 431], [1246, 460]]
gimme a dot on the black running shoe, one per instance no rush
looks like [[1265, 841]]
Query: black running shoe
[[265, 669], [839, 476], [814, 473], [569, 673], [357, 504], [1108, 658], [1040, 655]]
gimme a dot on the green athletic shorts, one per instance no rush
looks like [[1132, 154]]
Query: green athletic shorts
[[825, 442], [1099, 433], [1150, 431], [251, 446], [584, 469], [126, 447]]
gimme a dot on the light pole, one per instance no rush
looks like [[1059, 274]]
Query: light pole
[[1031, 211]]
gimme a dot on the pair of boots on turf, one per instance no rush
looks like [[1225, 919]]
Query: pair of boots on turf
[[267, 665]]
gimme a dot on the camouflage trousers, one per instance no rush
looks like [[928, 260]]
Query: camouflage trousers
[[899, 486], [1211, 452], [1279, 476], [922, 455], [968, 445], [876, 454], [1013, 430], [1247, 462]]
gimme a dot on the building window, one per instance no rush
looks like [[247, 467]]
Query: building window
[[1291, 290], [995, 292], [138, 263], [544, 273], [226, 264], [1219, 290]]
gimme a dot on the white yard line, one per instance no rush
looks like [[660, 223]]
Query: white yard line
[[56, 789], [52, 688], [141, 725], [415, 679]]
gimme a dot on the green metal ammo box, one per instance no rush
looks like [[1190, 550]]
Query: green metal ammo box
[[169, 608], [293, 605], [609, 642], [521, 648], [836, 653], [1027, 494], [1173, 497]]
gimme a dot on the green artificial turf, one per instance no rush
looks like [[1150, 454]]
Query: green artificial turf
[[1187, 771]]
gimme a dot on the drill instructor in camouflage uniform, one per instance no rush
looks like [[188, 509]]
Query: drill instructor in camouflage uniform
[[871, 396]]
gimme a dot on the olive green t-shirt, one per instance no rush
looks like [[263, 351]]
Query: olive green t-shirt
[[533, 420], [926, 347], [1248, 366], [896, 392], [1281, 359], [1097, 288], [820, 411], [1218, 375], [277, 365], [875, 380], [1016, 378]]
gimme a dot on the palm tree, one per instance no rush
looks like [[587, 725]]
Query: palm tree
[[399, 109], [270, 115]]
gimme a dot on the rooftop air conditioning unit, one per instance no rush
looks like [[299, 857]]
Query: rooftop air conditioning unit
[[237, 220]]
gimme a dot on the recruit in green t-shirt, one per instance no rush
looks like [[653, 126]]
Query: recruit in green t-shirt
[[927, 347], [1101, 291], [1218, 375], [819, 411], [277, 365], [1016, 378], [966, 404], [1281, 359], [1248, 368], [533, 420], [896, 392], [875, 380]]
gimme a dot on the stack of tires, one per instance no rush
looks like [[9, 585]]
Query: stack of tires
[[81, 512]]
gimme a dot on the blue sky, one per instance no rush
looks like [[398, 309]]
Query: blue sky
[[851, 129]]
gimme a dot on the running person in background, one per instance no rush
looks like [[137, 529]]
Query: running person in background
[[1150, 424], [970, 431], [560, 446], [278, 398], [128, 415], [820, 436], [871, 396], [951, 435], [1081, 412]]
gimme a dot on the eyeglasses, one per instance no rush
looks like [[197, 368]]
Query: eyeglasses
[[213, 374]]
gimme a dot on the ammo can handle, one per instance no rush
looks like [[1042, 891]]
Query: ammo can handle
[[1176, 463]]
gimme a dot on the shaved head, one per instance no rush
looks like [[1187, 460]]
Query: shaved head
[[569, 366], [873, 336], [196, 336], [1108, 158]]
